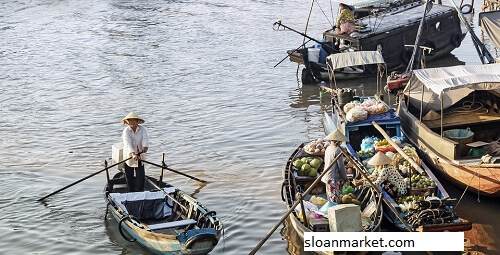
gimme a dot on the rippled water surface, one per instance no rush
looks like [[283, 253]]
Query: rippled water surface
[[201, 74]]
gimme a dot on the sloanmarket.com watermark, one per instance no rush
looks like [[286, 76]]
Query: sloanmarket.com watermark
[[383, 241], [362, 243]]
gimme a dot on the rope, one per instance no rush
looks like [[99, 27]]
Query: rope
[[324, 12], [460, 199]]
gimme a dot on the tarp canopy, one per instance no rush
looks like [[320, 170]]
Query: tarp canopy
[[364, 3], [356, 58], [490, 24], [450, 84]]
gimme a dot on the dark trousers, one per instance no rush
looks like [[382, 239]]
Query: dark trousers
[[135, 183]]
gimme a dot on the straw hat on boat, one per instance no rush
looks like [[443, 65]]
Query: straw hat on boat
[[432, 115], [132, 115], [336, 136], [379, 159]]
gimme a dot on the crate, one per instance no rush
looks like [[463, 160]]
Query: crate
[[320, 225]]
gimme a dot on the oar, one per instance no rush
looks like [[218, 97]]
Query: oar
[[293, 51], [83, 179], [326, 170], [175, 171]]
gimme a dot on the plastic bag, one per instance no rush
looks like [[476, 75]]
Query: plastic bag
[[309, 207], [347, 189], [356, 114]]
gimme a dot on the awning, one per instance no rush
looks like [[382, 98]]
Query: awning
[[490, 24], [451, 84], [356, 58], [364, 3]]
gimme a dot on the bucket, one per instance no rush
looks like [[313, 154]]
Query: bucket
[[462, 136], [313, 54], [345, 96]]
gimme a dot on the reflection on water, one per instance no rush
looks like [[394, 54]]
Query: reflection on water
[[202, 75]]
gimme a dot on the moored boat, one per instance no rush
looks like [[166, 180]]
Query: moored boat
[[162, 218], [357, 120], [387, 31], [451, 115]]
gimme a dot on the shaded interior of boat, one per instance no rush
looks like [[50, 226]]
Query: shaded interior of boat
[[158, 212], [477, 112]]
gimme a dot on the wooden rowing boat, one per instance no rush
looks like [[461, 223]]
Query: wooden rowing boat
[[294, 185], [165, 221]]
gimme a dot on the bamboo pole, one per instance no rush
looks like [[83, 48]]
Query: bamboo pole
[[401, 152], [283, 218]]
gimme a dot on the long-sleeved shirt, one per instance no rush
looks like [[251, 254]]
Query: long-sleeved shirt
[[337, 171], [380, 175], [134, 142]]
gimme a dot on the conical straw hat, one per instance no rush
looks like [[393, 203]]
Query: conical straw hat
[[379, 159], [132, 115], [336, 136], [432, 115]]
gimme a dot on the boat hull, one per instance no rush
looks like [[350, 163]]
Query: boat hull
[[443, 34], [201, 240], [482, 179]]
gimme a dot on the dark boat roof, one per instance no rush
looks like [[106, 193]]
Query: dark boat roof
[[397, 17]]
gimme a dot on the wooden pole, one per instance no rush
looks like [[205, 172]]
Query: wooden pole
[[83, 179], [175, 171], [401, 152], [441, 99], [422, 103], [166, 194], [283, 218], [107, 172], [162, 167]]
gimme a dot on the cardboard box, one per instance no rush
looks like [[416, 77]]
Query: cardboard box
[[345, 218]]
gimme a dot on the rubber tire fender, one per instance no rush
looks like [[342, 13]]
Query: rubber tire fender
[[120, 229], [191, 241], [456, 40], [469, 10]]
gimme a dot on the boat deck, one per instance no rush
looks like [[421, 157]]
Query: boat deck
[[459, 119]]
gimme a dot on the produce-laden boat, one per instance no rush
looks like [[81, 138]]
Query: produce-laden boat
[[387, 31], [451, 115], [359, 120], [162, 218], [294, 184]]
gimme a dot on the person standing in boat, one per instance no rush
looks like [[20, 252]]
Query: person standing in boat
[[135, 142], [337, 175], [345, 21], [382, 174]]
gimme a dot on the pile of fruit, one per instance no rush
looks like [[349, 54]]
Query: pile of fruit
[[398, 160], [420, 181], [350, 199], [363, 154], [307, 166], [317, 147], [384, 146]]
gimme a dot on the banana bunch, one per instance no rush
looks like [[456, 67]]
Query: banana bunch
[[382, 143]]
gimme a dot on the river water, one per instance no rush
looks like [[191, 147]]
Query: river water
[[201, 74]]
